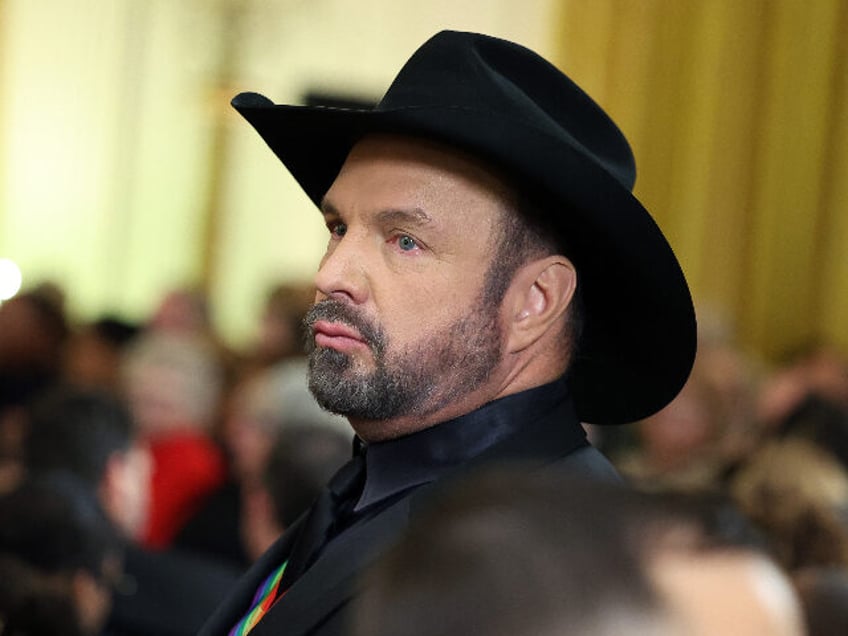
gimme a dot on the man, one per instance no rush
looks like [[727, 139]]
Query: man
[[489, 282], [636, 563]]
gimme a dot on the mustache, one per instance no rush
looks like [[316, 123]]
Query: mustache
[[335, 311]]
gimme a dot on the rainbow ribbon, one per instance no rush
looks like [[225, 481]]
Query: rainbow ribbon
[[265, 597]]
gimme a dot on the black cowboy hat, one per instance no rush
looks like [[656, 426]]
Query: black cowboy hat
[[508, 106]]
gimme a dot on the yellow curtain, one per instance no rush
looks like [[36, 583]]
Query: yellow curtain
[[737, 111]]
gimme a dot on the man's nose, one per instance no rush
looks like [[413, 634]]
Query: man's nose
[[342, 274]]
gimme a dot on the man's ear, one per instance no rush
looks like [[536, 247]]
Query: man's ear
[[538, 299]]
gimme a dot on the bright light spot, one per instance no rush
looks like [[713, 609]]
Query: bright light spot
[[10, 279]]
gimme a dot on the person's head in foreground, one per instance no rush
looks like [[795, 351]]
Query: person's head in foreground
[[505, 552]]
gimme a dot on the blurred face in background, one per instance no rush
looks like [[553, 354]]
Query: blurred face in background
[[248, 433], [172, 382], [125, 492], [682, 430]]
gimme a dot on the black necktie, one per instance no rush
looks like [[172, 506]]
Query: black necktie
[[325, 519]]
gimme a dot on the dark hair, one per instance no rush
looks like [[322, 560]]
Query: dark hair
[[115, 331], [31, 606], [55, 525], [77, 430], [492, 556], [821, 421], [509, 551], [46, 331], [302, 461], [824, 596], [526, 232]]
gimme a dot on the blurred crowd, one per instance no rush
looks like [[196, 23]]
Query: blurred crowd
[[771, 439], [144, 466]]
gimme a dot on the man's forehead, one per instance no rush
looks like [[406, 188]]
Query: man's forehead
[[435, 165]]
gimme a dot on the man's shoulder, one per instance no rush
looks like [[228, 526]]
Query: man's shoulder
[[589, 463]]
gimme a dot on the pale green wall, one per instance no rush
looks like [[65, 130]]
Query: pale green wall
[[108, 109]]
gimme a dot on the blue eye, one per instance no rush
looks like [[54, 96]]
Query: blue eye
[[338, 230], [407, 243]]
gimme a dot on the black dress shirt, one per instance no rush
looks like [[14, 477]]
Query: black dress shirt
[[498, 428]]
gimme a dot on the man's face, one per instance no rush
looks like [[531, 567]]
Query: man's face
[[402, 334]]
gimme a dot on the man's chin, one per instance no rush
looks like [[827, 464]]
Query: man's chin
[[330, 376], [335, 396], [353, 392]]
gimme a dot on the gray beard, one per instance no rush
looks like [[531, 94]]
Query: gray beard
[[421, 379]]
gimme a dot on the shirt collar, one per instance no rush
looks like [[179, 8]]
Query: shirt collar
[[397, 465]]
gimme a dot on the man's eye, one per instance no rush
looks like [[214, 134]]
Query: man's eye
[[338, 230], [406, 243]]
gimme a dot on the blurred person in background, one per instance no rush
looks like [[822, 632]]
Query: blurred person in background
[[182, 310], [94, 353], [820, 420], [677, 445], [91, 435], [797, 493], [186, 311], [173, 382], [261, 408], [816, 370], [280, 332], [300, 463], [33, 332], [32, 604], [57, 553], [706, 430]]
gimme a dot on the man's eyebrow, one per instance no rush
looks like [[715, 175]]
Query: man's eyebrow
[[327, 208], [413, 216]]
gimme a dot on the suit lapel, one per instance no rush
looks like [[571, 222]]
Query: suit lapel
[[238, 603], [331, 581]]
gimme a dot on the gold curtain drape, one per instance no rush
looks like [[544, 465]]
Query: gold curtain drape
[[736, 110]]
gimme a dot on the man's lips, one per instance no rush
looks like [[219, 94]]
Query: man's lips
[[337, 335]]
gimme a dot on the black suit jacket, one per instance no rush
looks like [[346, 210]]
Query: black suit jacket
[[315, 605]]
